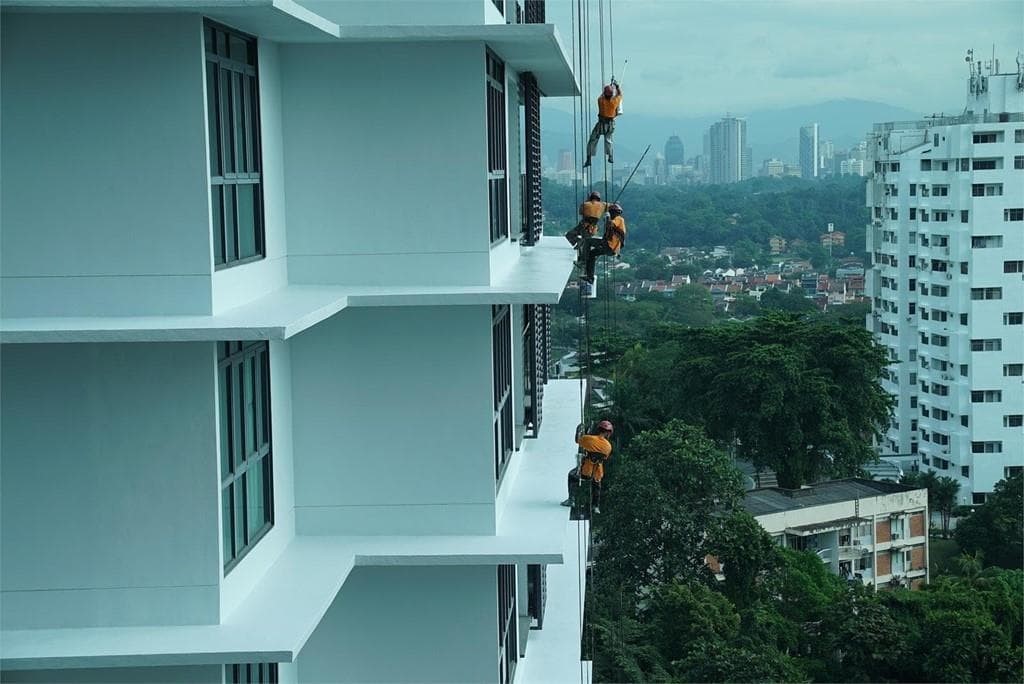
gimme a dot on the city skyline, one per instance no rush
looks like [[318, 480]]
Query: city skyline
[[796, 52]]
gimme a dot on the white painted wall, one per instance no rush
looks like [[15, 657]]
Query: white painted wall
[[104, 165], [386, 158], [186, 674], [241, 284], [392, 426], [109, 455], [407, 12], [885, 504], [408, 624], [238, 583]]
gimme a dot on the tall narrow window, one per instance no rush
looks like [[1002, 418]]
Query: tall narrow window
[[233, 126], [508, 637], [246, 484], [501, 357], [531, 387], [497, 148]]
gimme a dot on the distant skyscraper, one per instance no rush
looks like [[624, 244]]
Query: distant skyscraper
[[729, 151], [674, 151], [809, 151], [826, 158], [565, 160]]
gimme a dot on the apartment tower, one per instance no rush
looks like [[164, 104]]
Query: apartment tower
[[809, 162], [946, 240]]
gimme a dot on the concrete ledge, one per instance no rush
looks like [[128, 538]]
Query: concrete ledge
[[285, 21], [537, 277]]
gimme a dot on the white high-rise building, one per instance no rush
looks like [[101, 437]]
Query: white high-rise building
[[809, 160], [947, 284], [730, 156], [274, 369]]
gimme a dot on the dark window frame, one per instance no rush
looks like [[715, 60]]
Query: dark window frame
[[508, 624], [501, 364], [497, 148], [251, 673], [237, 460], [236, 157]]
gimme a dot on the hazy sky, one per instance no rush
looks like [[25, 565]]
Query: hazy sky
[[706, 57]]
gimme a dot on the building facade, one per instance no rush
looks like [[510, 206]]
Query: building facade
[[729, 150], [809, 161], [865, 531], [264, 420], [947, 204]]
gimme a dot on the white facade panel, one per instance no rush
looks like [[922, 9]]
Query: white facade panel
[[386, 185], [104, 165], [110, 456], [186, 674], [377, 447], [408, 625]]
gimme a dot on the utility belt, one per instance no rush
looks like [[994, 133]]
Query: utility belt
[[591, 220], [605, 119], [594, 457]]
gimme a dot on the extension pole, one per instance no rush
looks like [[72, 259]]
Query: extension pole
[[626, 184]]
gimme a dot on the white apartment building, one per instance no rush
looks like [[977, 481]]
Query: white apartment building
[[872, 532], [947, 284], [274, 368]]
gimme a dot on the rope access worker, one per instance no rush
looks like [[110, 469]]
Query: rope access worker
[[591, 212], [607, 109], [611, 243], [597, 449]]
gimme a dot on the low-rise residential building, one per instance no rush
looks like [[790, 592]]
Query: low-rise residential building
[[777, 244], [867, 531], [836, 238]]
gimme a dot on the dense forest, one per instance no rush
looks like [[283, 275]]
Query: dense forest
[[747, 212]]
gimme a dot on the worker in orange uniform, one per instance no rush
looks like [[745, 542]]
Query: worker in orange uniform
[[610, 244], [596, 450], [591, 212], [607, 109]]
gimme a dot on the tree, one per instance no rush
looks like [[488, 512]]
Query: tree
[[859, 640], [946, 490], [795, 302], [967, 646], [663, 493], [997, 528], [746, 553]]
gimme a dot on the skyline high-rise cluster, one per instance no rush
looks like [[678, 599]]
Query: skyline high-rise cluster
[[729, 151], [946, 197]]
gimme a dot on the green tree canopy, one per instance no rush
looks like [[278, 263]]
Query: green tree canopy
[[997, 528]]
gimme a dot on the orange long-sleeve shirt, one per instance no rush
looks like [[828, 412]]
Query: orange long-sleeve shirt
[[615, 233], [608, 107]]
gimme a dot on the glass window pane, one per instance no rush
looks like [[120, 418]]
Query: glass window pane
[[249, 405], [254, 499], [211, 118], [239, 445], [225, 423], [254, 114], [224, 95], [217, 218], [238, 49], [238, 121], [247, 226], [208, 39], [239, 507], [222, 44], [226, 535], [264, 398], [230, 234]]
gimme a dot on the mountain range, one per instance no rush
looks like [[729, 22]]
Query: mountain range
[[773, 133]]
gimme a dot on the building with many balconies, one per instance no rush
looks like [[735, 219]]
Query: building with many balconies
[[275, 309], [866, 531], [947, 245]]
